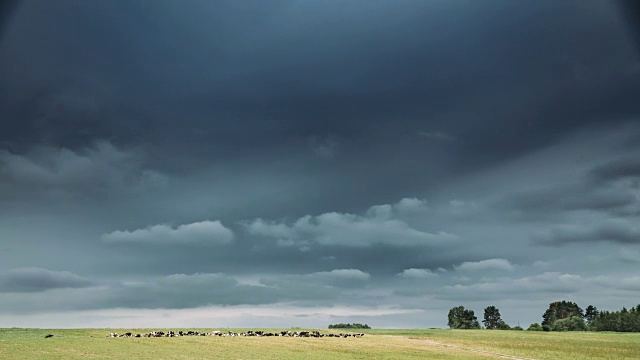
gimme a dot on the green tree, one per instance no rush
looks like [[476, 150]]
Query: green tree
[[503, 325], [534, 327], [461, 318], [492, 319], [561, 310], [573, 323], [590, 313]]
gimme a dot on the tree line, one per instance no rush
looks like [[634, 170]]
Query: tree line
[[559, 316], [349, 326]]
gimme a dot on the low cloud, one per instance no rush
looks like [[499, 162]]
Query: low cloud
[[338, 278], [489, 264], [36, 280], [576, 197], [614, 230], [417, 274], [67, 291], [189, 290], [202, 233], [436, 135], [625, 168], [99, 169], [381, 224], [546, 283], [324, 147]]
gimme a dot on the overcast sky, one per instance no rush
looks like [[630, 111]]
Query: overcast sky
[[304, 162]]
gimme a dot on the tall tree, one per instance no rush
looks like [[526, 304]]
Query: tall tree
[[492, 319], [590, 313], [461, 318], [561, 310]]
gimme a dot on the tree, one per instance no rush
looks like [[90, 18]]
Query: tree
[[492, 319], [461, 318], [590, 313], [503, 325], [561, 310], [573, 323], [534, 327], [349, 326]]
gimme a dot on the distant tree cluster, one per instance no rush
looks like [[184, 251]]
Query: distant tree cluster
[[623, 320], [560, 316], [349, 326], [566, 311], [568, 316]]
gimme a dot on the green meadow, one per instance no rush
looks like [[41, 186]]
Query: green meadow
[[376, 344]]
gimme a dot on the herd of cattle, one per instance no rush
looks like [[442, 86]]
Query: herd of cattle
[[315, 334]]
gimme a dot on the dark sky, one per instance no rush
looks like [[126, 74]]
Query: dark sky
[[306, 162]]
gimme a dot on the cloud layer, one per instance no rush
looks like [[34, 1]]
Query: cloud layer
[[202, 233], [363, 161], [382, 224]]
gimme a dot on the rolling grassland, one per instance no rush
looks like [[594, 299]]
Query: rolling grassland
[[376, 344]]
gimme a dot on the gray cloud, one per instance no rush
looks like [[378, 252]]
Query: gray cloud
[[36, 280], [614, 170], [341, 278], [484, 265], [436, 136], [614, 230], [571, 198], [325, 148], [549, 282], [177, 291], [184, 291], [99, 170], [380, 225], [203, 233], [417, 273]]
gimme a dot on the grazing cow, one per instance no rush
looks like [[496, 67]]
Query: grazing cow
[[171, 333], [48, 336]]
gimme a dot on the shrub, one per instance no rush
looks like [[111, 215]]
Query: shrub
[[535, 327], [574, 323]]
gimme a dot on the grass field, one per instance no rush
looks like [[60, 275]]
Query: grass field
[[377, 344]]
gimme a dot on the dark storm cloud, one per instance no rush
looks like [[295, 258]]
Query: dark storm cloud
[[369, 92], [374, 66], [37, 280], [93, 172], [620, 169], [609, 186], [136, 132]]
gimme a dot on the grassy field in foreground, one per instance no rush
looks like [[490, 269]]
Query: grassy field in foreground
[[377, 344]]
